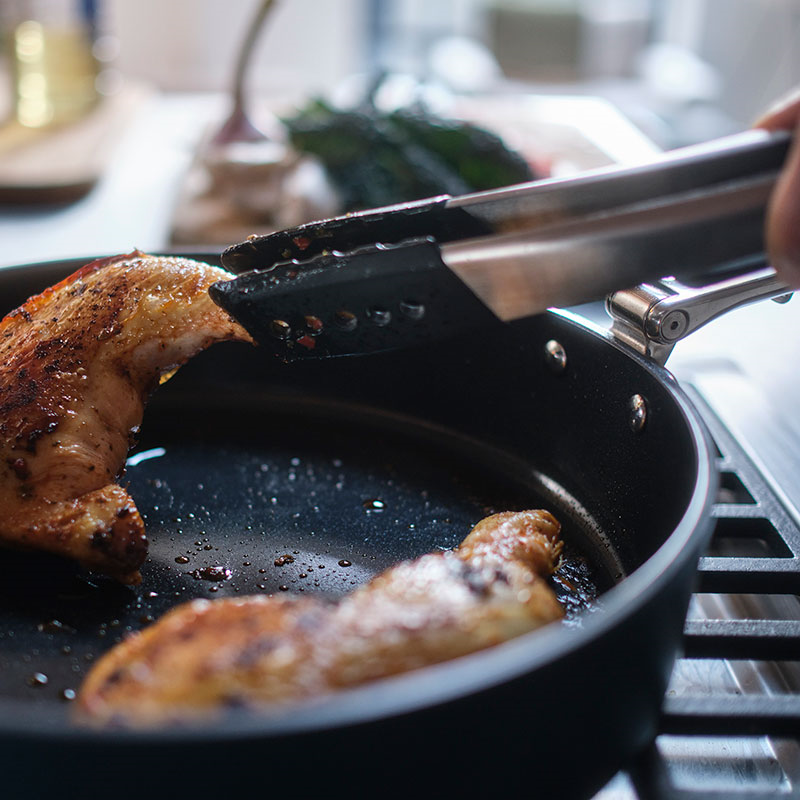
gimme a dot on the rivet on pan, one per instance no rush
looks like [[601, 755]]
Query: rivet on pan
[[637, 413], [346, 320], [412, 309], [280, 329], [555, 356], [380, 316], [314, 324]]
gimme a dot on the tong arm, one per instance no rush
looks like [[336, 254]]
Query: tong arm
[[694, 235]]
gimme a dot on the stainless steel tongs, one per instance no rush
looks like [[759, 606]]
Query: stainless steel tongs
[[414, 272]]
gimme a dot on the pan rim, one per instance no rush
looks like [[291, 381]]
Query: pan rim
[[437, 684]]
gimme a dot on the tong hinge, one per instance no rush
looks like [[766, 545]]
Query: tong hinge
[[651, 318]]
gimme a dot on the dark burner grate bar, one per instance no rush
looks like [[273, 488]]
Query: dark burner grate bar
[[741, 715], [759, 526], [756, 543], [740, 741], [766, 640], [760, 578]]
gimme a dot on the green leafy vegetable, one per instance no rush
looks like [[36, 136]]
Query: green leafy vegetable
[[377, 159]]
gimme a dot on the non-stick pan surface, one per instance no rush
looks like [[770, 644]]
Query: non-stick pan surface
[[259, 477]]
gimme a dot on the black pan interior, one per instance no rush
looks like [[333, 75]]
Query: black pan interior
[[256, 497], [256, 476]]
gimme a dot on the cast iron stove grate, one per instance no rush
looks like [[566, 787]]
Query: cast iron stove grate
[[731, 717]]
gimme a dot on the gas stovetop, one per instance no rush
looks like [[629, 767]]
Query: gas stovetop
[[731, 715]]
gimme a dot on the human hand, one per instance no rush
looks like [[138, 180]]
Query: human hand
[[783, 212]]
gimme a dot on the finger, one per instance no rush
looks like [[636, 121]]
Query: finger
[[783, 218], [783, 115]]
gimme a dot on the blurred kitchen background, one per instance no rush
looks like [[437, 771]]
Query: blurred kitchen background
[[684, 69], [112, 138], [108, 97]]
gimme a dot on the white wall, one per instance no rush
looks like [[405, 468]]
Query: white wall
[[757, 52], [311, 45], [191, 44], [753, 45]]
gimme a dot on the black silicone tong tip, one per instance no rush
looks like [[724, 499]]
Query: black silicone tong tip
[[375, 298], [431, 217]]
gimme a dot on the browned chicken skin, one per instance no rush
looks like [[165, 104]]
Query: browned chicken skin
[[265, 650], [77, 364]]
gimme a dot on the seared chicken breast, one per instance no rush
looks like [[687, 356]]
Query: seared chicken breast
[[77, 364], [262, 651]]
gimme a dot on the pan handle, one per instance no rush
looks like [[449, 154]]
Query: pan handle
[[651, 318]]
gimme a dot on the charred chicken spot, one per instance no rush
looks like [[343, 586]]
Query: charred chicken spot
[[252, 653], [475, 579], [135, 547], [101, 540], [19, 467], [42, 349], [234, 701], [22, 374], [116, 676], [33, 437], [21, 312], [501, 576], [20, 395], [310, 621], [107, 333], [36, 433]]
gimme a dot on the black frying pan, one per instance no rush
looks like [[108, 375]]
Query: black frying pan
[[365, 462]]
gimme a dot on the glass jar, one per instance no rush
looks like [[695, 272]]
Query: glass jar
[[52, 67]]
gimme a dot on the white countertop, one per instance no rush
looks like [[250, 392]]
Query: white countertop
[[131, 206]]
